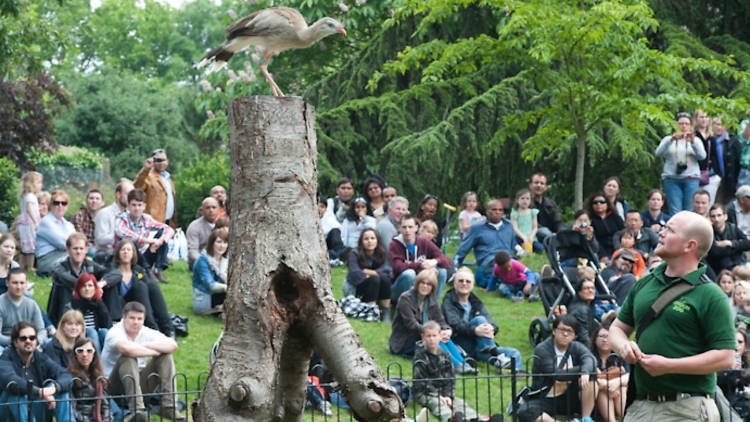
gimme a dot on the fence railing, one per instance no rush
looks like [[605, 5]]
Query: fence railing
[[487, 393]]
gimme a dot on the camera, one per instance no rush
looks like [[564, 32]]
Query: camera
[[583, 224], [680, 167]]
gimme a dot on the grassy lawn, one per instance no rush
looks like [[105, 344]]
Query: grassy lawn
[[192, 356]]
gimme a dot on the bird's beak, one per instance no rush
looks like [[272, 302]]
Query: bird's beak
[[341, 30]]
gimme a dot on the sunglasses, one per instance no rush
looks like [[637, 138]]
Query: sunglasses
[[27, 338], [85, 350], [61, 203]]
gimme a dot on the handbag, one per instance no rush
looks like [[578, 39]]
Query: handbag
[[706, 174]]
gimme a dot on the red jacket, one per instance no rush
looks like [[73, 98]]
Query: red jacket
[[402, 260]]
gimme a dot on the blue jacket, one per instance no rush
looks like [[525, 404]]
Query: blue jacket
[[486, 241], [204, 278], [13, 373]]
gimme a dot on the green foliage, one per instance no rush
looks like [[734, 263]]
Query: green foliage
[[125, 118], [9, 198], [75, 165], [195, 180]]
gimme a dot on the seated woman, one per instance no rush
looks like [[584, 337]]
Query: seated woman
[[70, 329], [606, 223], [582, 308], [427, 210], [654, 217], [52, 234], [356, 220], [373, 191], [8, 249], [210, 274], [369, 276], [415, 307], [89, 390], [612, 377], [87, 298], [130, 283]]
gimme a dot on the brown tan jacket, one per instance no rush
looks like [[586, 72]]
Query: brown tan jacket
[[156, 195]]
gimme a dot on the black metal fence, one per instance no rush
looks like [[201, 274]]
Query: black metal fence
[[487, 393]]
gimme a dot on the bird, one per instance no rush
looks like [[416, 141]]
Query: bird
[[274, 29]]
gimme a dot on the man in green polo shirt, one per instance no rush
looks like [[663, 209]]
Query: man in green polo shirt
[[677, 356]]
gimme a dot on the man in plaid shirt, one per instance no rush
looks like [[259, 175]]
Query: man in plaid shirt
[[83, 220], [150, 236]]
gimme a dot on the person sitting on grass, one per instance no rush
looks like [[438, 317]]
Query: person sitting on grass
[[565, 367], [210, 274], [87, 298], [473, 328], [515, 280], [434, 382], [370, 273], [415, 307]]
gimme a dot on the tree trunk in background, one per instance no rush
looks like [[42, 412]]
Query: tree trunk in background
[[279, 305]]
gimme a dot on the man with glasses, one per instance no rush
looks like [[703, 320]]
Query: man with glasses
[[16, 307], [24, 363], [155, 180], [52, 234], [619, 275], [473, 328], [199, 230], [568, 370], [675, 358]]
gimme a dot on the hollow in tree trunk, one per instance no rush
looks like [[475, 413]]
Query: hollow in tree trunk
[[279, 304]]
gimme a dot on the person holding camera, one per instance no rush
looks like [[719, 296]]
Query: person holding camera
[[155, 180], [681, 152]]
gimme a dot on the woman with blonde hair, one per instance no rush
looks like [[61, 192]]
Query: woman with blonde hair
[[70, 328]]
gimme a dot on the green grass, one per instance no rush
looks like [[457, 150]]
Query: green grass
[[191, 357]]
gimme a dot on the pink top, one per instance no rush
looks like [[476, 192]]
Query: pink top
[[516, 274]]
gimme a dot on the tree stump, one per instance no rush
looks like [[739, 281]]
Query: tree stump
[[279, 304]]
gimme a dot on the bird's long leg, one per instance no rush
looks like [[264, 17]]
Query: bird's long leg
[[263, 66]]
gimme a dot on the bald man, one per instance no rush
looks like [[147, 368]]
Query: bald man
[[676, 357], [199, 230]]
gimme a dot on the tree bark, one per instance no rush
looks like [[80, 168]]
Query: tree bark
[[279, 304]]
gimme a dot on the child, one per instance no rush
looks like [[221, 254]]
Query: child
[[469, 214], [28, 220], [627, 240], [516, 281], [428, 229], [524, 221], [742, 320], [741, 288], [433, 365]]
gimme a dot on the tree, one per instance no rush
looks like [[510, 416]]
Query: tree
[[279, 303]]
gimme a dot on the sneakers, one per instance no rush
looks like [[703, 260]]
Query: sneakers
[[325, 408], [501, 362], [517, 299], [172, 414], [137, 416], [547, 271], [465, 369], [336, 262], [421, 416], [534, 298]]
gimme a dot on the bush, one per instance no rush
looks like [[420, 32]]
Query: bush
[[9, 198], [70, 166], [194, 181]]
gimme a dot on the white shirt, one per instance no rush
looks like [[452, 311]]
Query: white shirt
[[110, 353]]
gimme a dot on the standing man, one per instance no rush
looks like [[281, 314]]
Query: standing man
[[676, 357], [83, 219], [155, 180], [548, 219], [220, 194], [22, 363], [149, 235], [104, 224], [199, 230], [495, 234], [387, 228], [727, 150], [127, 348]]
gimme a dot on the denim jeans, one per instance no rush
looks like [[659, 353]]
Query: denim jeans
[[680, 193], [482, 343], [405, 281], [508, 291], [97, 336], [17, 409]]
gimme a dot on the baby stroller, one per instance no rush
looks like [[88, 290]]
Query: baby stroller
[[558, 289]]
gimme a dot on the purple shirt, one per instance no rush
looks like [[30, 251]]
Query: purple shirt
[[516, 274]]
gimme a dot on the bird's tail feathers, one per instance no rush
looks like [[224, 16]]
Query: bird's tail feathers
[[218, 58]]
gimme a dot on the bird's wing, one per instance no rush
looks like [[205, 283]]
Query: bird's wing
[[267, 22]]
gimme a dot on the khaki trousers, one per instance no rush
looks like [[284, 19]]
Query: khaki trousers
[[128, 380], [700, 409]]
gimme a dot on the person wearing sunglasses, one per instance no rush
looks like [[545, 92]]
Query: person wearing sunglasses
[[52, 234], [606, 223], [155, 180], [22, 363], [92, 402]]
